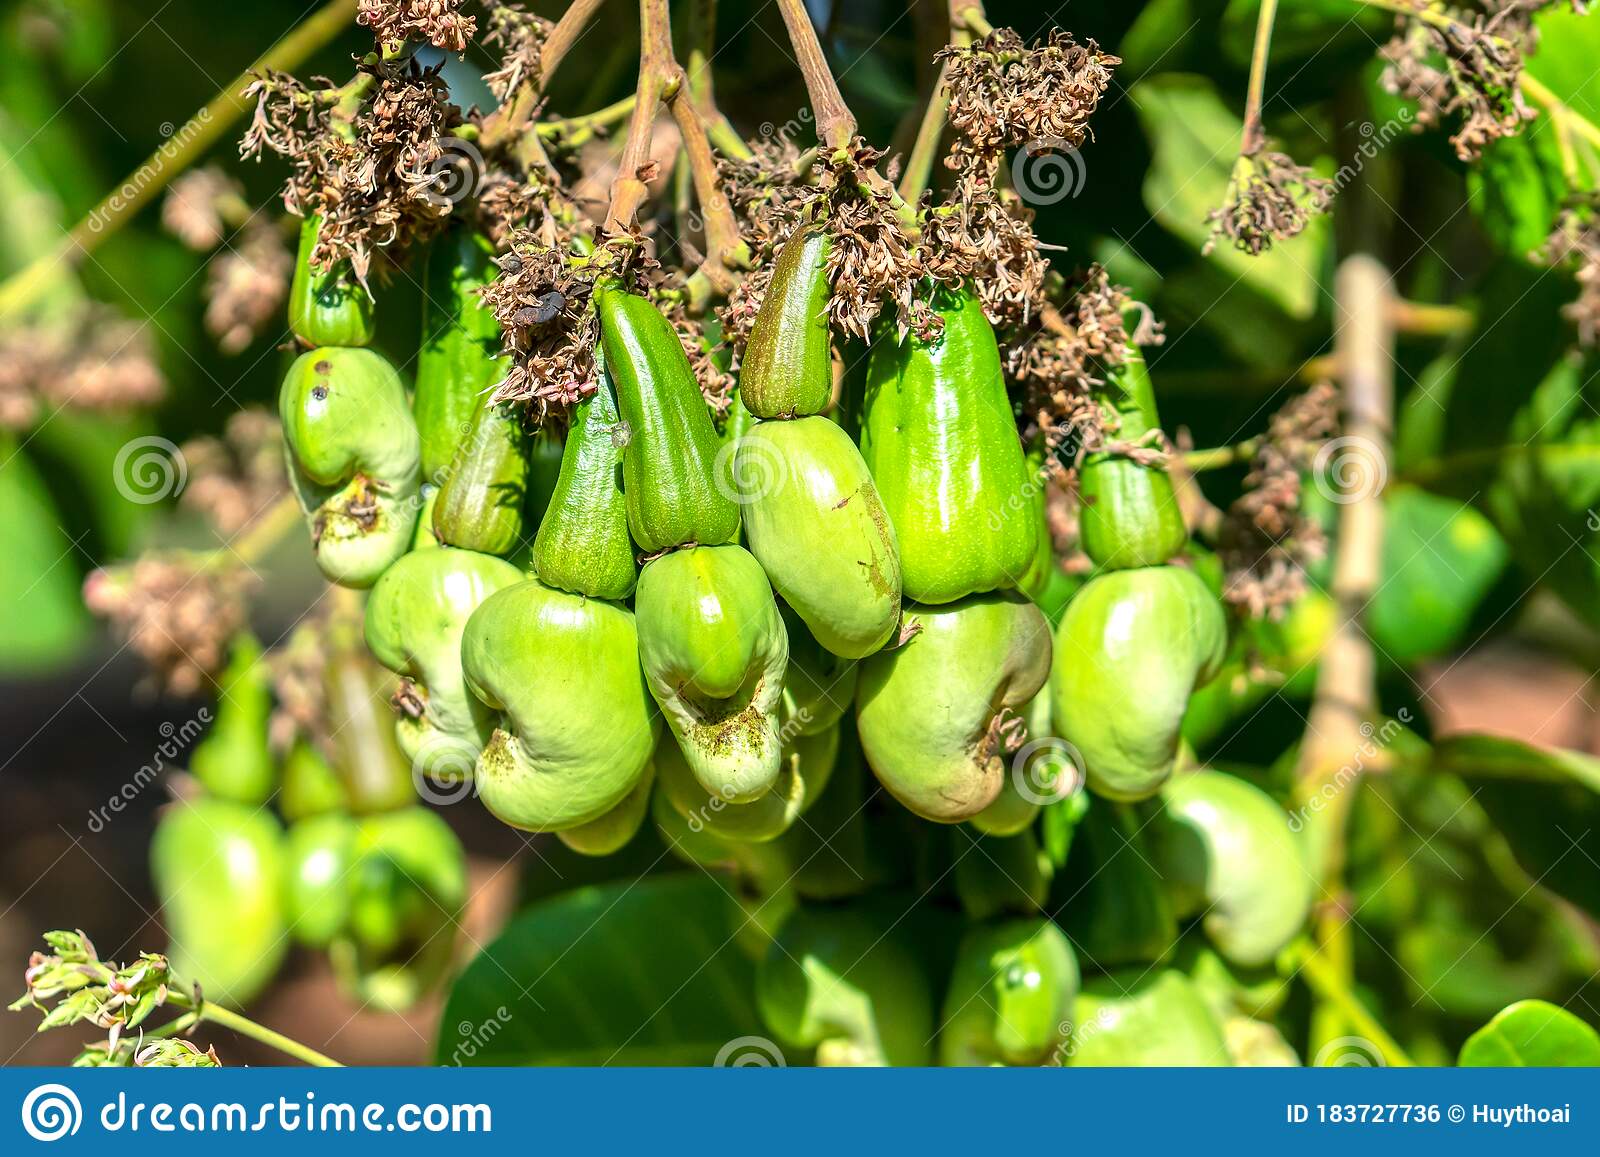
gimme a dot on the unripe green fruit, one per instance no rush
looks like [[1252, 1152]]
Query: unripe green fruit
[[1148, 1019], [1000, 875], [317, 861], [1130, 650], [814, 520], [612, 831], [940, 441], [415, 618], [218, 870], [310, 785], [1041, 772], [1011, 996], [352, 451], [808, 762], [485, 493], [577, 726], [1130, 515], [1226, 850], [928, 710], [459, 358], [234, 761], [787, 369], [818, 686], [670, 466], [714, 651], [328, 307], [835, 981]]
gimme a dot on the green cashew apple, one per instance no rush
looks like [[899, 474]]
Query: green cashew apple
[[316, 893], [1145, 1019], [1130, 515], [808, 763], [1130, 650], [234, 761], [1011, 996], [940, 440], [1226, 850], [415, 618], [818, 686], [1110, 898], [583, 545], [218, 870], [375, 773], [353, 458], [484, 495], [670, 466], [814, 520], [407, 885], [612, 831], [714, 651], [1040, 773], [837, 982], [787, 371], [459, 359], [327, 307], [930, 712], [576, 726], [310, 785]]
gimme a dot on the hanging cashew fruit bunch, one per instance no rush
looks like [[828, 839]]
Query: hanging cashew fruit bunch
[[811, 511], [1140, 636], [555, 658], [711, 640], [354, 456]]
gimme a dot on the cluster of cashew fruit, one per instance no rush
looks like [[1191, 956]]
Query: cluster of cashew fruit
[[738, 629]]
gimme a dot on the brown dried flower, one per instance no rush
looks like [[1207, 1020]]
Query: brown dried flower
[[88, 358], [1265, 541], [519, 37], [873, 261], [1576, 241], [234, 478], [435, 22], [197, 205], [246, 286], [175, 612], [1270, 198], [547, 323]]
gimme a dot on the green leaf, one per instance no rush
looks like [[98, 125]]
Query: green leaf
[[1518, 188], [1302, 31], [1196, 139], [45, 622], [1440, 558], [1169, 34], [1568, 46], [1532, 1034], [628, 973], [1545, 801]]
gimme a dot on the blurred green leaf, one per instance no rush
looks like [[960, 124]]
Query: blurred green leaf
[[1196, 139], [1532, 1034], [1517, 189], [44, 622], [1569, 44], [1440, 558], [1302, 31], [630, 973]]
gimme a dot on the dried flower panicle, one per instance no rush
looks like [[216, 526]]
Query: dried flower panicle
[[436, 22], [716, 383], [1270, 198], [175, 612], [233, 479], [87, 358], [1468, 68], [874, 262], [246, 286], [384, 178], [518, 37], [984, 237], [547, 323], [1004, 92], [771, 199], [1575, 241], [1265, 541], [197, 206]]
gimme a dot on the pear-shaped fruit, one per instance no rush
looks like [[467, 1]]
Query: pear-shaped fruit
[[787, 369], [1011, 995], [327, 307]]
